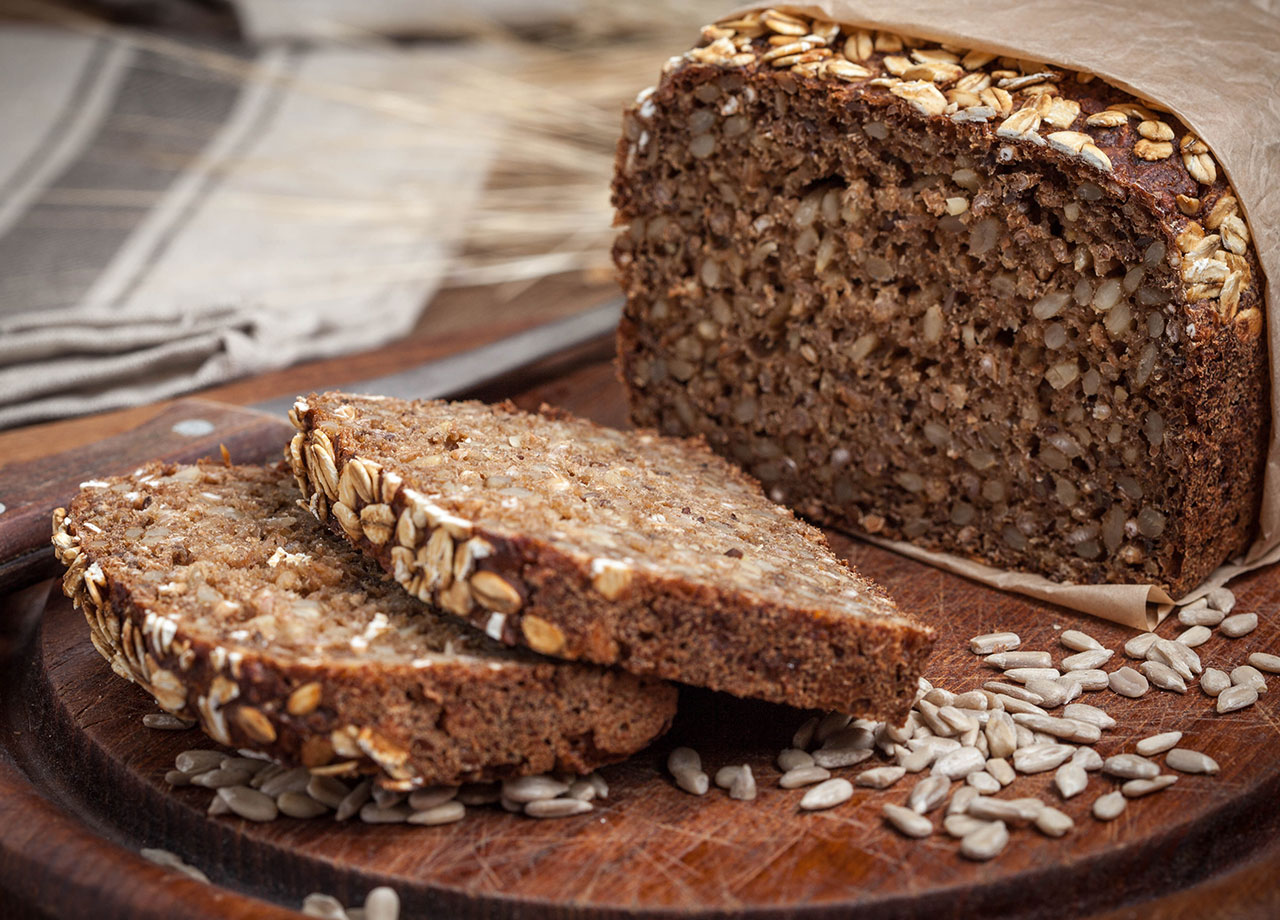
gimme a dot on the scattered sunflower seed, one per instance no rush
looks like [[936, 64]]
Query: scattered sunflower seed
[[527, 789], [1250, 676], [249, 803], [791, 758], [1213, 681], [743, 787], [173, 861], [1237, 697], [324, 906], [354, 801], [959, 763], [879, 777], [907, 821], [994, 642], [373, 813], [1128, 682], [1200, 616], [1087, 758], [1185, 760], [1156, 744], [561, 808], [1109, 807], [928, 794], [1163, 676], [985, 842], [1016, 812], [1138, 646], [804, 734], [984, 782], [960, 801], [1024, 675], [1083, 712], [442, 813], [1087, 678], [1038, 758], [299, 805], [198, 761], [1195, 636], [1053, 823], [1221, 598], [1071, 779], [1137, 788], [382, 903], [828, 794], [1130, 766], [797, 777], [1078, 641], [1002, 770], [1241, 624], [1264, 661], [1008, 660], [1089, 659], [961, 825]]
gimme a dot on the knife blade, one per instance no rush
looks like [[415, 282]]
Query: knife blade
[[460, 373], [192, 428]]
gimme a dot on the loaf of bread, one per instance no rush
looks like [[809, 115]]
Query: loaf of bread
[[210, 588], [930, 294], [621, 548]]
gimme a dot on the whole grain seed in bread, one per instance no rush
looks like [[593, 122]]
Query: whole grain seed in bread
[[209, 587], [973, 302], [622, 548]]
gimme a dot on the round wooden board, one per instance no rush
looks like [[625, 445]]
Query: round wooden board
[[73, 732]]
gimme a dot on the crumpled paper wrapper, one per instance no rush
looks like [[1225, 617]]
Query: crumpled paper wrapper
[[1216, 65]]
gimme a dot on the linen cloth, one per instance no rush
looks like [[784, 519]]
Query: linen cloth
[[174, 214]]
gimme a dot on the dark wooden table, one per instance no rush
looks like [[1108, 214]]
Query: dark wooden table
[[81, 783]]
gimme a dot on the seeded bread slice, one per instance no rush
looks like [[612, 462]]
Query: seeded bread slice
[[622, 548], [210, 588]]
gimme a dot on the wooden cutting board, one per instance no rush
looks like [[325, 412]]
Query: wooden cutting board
[[81, 789]]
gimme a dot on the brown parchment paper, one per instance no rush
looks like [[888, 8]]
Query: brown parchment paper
[[1213, 63]]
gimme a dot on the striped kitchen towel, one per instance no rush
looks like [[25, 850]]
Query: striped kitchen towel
[[175, 213]]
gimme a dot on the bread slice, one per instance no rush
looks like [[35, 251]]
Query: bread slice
[[209, 587], [977, 303], [615, 547]]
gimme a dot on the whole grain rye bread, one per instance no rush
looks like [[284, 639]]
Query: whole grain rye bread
[[622, 548], [212, 589], [976, 303]]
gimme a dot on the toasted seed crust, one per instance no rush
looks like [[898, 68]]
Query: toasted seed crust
[[209, 588], [624, 549]]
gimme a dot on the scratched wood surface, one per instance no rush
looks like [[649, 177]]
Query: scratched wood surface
[[77, 760]]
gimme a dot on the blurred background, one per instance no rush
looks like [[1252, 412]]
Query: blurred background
[[192, 191]]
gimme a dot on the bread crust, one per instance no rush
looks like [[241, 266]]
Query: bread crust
[[470, 717]]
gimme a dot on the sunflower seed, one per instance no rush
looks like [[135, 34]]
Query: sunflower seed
[[928, 794], [1078, 641], [961, 825], [527, 789], [1038, 758], [984, 782], [177, 778], [682, 759], [1236, 697], [299, 805], [1006, 660], [1185, 760], [1163, 676], [827, 794], [804, 734], [1265, 662], [386, 798], [219, 806], [879, 777], [1053, 823], [1088, 678], [1156, 744], [1071, 779], [726, 775], [294, 780], [324, 906], [1026, 737], [1087, 758], [382, 903], [1130, 766], [985, 842], [915, 761], [1128, 682], [1052, 693], [1200, 616], [1137, 788], [994, 642], [198, 761], [1083, 712], [1002, 770], [1195, 636], [1213, 681], [974, 699], [1221, 598], [829, 724], [1023, 675], [1137, 646], [959, 763], [908, 822], [791, 758], [743, 787], [1067, 729], [1087, 660], [218, 779], [1109, 807], [1241, 624], [354, 801], [1011, 705], [694, 782], [373, 813], [172, 861], [1016, 812], [797, 777], [442, 813], [1249, 676], [833, 758], [1001, 735], [562, 808], [249, 803], [430, 797], [1176, 656]]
